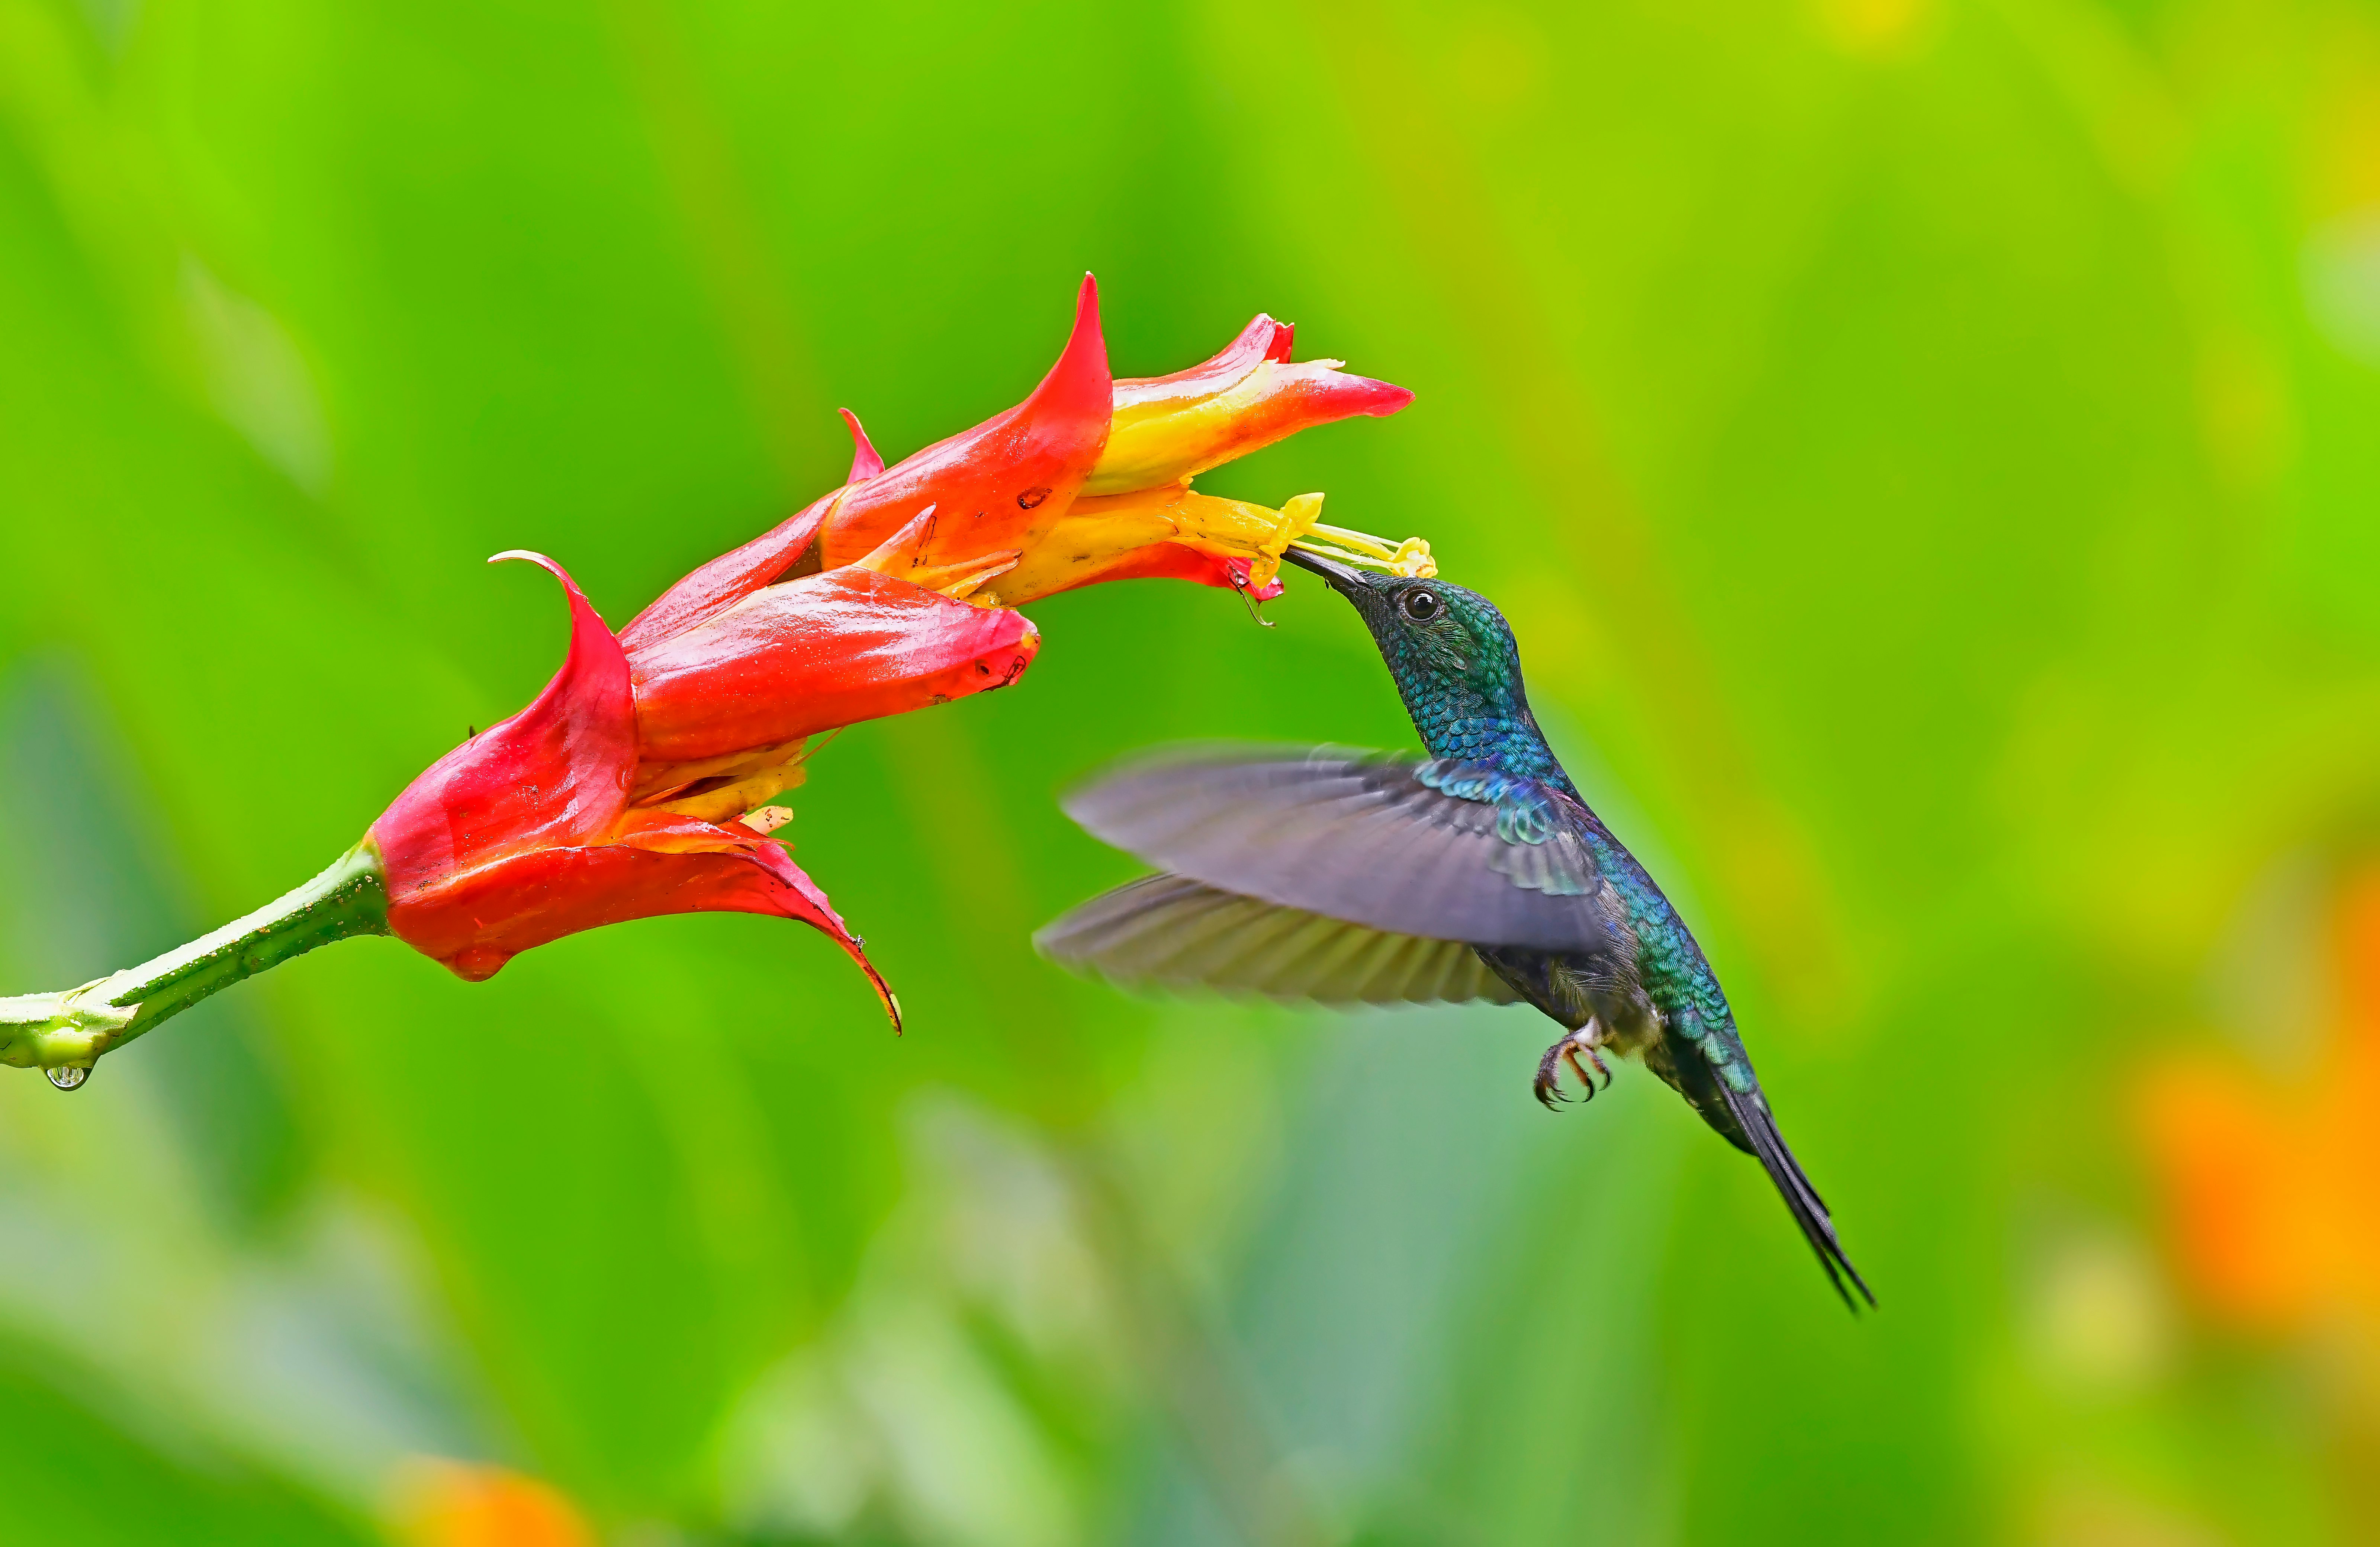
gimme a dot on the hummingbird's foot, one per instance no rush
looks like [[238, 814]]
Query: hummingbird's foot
[[1581, 1043]]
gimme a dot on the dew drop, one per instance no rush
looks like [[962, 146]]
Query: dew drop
[[68, 1077]]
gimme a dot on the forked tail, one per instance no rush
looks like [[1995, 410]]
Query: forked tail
[[1751, 1114]]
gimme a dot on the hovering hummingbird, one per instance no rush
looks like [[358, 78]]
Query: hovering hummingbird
[[1478, 874]]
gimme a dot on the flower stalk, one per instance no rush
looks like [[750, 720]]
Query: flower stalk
[[62, 1033]]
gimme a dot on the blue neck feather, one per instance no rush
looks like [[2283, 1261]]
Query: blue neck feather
[[1472, 709]]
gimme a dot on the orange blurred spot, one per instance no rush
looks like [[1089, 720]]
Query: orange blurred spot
[[2274, 1187], [449, 1504]]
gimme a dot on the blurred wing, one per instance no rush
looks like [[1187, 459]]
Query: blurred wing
[[1364, 840], [1171, 932]]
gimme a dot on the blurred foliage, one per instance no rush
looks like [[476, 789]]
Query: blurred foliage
[[1926, 449]]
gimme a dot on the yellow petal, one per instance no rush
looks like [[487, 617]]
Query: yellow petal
[[1115, 535]]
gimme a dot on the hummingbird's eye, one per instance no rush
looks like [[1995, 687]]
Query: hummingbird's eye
[[1419, 605]]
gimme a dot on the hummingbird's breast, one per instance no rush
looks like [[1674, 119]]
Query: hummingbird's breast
[[1574, 989]]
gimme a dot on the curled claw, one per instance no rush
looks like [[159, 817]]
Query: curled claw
[[1586, 1079], [1581, 1043], [1548, 1083]]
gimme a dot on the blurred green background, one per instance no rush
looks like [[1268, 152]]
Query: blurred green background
[[1927, 450]]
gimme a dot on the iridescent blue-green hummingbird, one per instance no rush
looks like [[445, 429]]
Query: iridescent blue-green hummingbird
[[1478, 874]]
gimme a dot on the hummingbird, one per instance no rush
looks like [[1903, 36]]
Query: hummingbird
[[1475, 873]]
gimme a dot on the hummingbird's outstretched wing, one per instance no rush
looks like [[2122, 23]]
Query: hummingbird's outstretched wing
[[1171, 931], [1401, 847]]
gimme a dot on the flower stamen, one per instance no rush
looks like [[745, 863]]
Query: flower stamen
[[1410, 559]]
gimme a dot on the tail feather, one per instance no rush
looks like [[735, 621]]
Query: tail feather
[[1751, 1114]]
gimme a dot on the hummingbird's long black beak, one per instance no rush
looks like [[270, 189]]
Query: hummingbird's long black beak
[[1342, 579]]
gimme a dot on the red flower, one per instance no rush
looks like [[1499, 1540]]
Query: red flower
[[629, 787], [1086, 480], [614, 795], [633, 785]]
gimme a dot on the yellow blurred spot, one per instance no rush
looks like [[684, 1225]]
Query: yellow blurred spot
[[2244, 403], [2103, 1516], [2341, 171], [1498, 58], [451, 1503], [2099, 1316], [1872, 29]]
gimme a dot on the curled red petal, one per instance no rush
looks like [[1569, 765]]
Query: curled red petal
[[1261, 340], [555, 774], [728, 578], [1002, 482], [477, 921], [865, 461], [810, 654]]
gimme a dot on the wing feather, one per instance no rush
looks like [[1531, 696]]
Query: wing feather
[[1362, 839], [1171, 931]]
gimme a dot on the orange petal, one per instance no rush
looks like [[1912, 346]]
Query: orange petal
[[1000, 485]]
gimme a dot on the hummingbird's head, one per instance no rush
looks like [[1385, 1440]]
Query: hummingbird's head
[[1450, 651]]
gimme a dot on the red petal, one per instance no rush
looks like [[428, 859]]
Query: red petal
[[727, 580], [476, 922], [814, 653], [1329, 395], [1261, 340], [865, 462], [1002, 482], [556, 772]]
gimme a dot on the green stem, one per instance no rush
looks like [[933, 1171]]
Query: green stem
[[70, 1029]]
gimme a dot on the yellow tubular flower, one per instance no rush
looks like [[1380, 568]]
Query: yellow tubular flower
[[1170, 531]]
